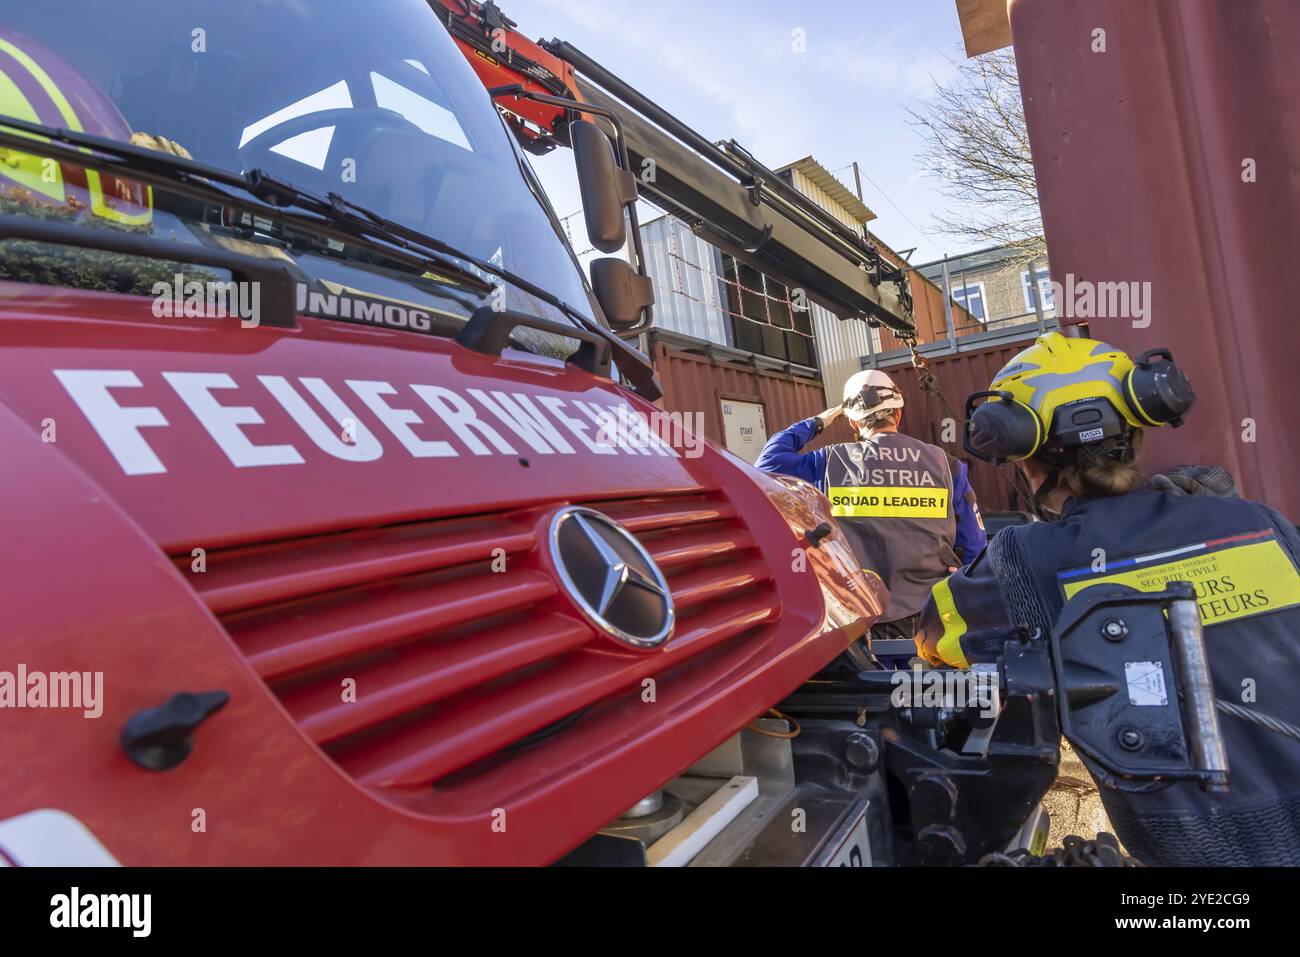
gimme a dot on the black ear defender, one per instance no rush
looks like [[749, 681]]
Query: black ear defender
[[1002, 431], [1157, 390]]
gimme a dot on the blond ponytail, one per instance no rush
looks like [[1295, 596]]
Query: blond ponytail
[[1092, 473]]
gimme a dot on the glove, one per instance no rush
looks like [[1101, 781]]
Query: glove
[[1212, 480]]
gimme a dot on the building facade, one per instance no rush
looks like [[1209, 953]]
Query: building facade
[[995, 286], [705, 294], [735, 350]]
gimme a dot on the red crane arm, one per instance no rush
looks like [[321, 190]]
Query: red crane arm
[[502, 57]]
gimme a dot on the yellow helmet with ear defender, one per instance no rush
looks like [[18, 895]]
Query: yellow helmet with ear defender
[[38, 86], [1063, 392]]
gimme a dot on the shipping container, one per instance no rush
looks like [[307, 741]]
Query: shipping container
[[958, 374], [1166, 145], [699, 380], [684, 268]]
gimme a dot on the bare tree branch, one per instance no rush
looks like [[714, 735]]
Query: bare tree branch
[[978, 148]]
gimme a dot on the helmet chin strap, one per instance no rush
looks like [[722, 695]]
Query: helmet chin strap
[[1037, 498], [1119, 448], [1041, 508]]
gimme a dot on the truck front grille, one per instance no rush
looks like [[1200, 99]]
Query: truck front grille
[[414, 651]]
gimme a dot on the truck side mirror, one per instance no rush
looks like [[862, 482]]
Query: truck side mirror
[[625, 293], [622, 292], [605, 188]]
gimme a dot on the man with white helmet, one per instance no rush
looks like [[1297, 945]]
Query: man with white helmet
[[906, 506]]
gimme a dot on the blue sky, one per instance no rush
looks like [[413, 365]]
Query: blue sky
[[728, 69]]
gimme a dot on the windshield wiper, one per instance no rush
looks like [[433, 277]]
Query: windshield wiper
[[196, 180], [636, 366], [339, 218]]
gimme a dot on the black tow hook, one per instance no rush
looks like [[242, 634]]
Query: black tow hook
[[815, 535], [158, 739]]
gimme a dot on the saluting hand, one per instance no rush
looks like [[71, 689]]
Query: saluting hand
[[830, 415]]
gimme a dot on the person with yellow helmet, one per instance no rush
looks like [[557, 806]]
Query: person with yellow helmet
[[1070, 414], [906, 506], [39, 86]]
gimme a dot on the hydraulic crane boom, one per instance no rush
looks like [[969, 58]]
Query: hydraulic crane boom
[[722, 191]]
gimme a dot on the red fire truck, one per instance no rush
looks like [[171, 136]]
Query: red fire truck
[[340, 525], [376, 563]]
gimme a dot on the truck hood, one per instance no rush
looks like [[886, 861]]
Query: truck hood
[[210, 434], [412, 563]]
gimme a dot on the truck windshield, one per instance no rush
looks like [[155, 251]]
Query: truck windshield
[[370, 100]]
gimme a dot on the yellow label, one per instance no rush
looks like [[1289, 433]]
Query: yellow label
[[1039, 842], [883, 501], [1230, 583]]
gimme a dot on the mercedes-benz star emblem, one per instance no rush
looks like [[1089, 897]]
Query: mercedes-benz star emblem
[[611, 577]]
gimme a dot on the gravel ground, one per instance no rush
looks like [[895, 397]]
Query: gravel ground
[[1073, 801]]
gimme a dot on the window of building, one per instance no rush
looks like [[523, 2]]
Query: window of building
[[1044, 290], [763, 318], [971, 297]]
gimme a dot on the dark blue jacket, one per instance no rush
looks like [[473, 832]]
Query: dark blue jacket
[[781, 455], [1242, 557]]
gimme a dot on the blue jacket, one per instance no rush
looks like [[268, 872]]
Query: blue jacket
[[781, 455], [1244, 561]]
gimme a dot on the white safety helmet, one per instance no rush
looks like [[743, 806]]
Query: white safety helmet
[[869, 392]]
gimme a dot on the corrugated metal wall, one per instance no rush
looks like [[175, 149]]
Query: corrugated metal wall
[[959, 375], [1196, 192], [823, 199], [840, 348], [685, 270], [696, 384]]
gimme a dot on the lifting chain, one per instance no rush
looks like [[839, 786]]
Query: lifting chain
[[934, 393], [930, 386], [927, 379]]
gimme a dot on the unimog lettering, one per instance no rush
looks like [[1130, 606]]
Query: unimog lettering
[[361, 309]]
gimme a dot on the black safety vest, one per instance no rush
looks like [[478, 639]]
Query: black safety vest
[[892, 495]]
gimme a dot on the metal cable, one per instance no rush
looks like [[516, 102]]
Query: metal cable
[[1276, 725]]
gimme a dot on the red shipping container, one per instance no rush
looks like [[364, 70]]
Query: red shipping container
[[1166, 143]]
